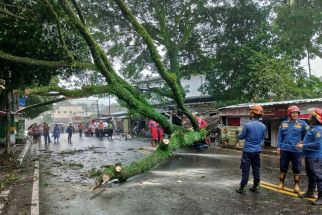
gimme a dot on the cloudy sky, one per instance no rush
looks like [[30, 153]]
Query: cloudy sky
[[316, 66]]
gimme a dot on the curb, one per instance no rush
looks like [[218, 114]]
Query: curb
[[24, 152], [35, 191]]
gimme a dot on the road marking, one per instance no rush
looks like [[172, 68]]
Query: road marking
[[35, 191], [287, 191]]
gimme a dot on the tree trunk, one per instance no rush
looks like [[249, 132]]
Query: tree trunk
[[179, 139]]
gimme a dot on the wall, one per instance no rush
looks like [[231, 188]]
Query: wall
[[68, 111], [232, 133], [274, 131]]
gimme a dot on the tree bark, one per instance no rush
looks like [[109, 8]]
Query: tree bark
[[178, 140]]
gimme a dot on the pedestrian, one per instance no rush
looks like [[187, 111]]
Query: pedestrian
[[253, 133], [201, 123], [80, 129], [312, 150], [101, 129], [46, 133], [291, 132], [154, 132], [69, 131], [36, 133], [110, 127], [56, 133], [160, 133]]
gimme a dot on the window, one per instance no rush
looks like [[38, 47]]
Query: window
[[58, 111], [65, 111], [70, 111]]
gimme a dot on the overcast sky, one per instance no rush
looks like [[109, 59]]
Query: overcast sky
[[316, 66]]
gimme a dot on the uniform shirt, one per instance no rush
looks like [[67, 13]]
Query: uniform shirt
[[253, 133], [313, 142], [290, 134]]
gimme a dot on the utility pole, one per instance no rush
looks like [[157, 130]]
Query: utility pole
[[98, 109]]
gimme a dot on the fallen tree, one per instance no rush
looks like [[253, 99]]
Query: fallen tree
[[115, 85]]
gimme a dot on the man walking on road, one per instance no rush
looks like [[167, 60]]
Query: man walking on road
[[69, 131], [253, 133], [46, 133], [312, 150], [291, 133], [56, 133], [80, 129]]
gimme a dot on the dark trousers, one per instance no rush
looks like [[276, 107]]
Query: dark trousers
[[313, 169], [69, 137], [47, 137], [250, 159], [286, 158]]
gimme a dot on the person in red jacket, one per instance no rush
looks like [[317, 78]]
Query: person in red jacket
[[201, 123], [154, 132]]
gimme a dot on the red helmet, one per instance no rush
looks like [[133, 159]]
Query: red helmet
[[317, 113], [293, 108], [257, 109]]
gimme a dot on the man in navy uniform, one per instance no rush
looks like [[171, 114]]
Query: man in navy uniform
[[312, 150], [291, 133], [253, 133]]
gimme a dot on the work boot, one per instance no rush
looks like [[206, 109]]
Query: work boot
[[296, 183], [319, 200], [254, 189], [280, 186], [241, 189], [308, 194]]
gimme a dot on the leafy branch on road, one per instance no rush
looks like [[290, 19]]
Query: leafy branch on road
[[178, 140]]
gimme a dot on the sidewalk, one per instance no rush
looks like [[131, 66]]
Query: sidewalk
[[11, 174]]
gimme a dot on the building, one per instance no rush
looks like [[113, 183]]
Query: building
[[69, 113], [195, 99], [233, 117]]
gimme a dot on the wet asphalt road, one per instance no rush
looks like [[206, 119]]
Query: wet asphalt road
[[187, 183]]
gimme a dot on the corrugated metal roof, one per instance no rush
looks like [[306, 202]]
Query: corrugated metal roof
[[298, 101]]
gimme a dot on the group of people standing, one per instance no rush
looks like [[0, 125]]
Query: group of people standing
[[37, 130], [156, 131], [296, 139]]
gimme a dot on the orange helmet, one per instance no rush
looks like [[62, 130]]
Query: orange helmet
[[293, 108], [257, 109], [317, 113]]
